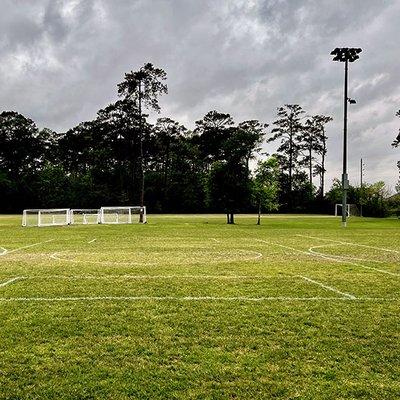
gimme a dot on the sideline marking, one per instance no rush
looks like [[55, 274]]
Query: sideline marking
[[101, 277], [258, 255], [5, 251], [347, 295], [190, 298], [91, 241], [350, 243], [11, 281], [25, 247]]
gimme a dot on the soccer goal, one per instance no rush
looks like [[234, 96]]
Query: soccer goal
[[46, 217], [123, 215], [84, 216], [352, 210]]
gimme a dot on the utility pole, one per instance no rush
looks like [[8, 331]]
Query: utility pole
[[345, 55]]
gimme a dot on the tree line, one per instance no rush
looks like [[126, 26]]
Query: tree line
[[120, 158]]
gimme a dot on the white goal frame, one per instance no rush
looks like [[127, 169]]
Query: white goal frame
[[41, 212], [129, 211], [86, 214], [349, 207]]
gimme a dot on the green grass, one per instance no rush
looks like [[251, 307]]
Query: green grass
[[187, 307]]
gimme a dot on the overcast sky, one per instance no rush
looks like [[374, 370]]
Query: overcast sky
[[61, 62]]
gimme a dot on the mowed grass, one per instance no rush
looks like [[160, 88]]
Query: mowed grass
[[187, 307]]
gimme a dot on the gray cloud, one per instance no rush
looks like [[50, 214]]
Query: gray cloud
[[62, 59]]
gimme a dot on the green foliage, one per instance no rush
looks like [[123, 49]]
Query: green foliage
[[373, 197], [228, 187], [266, 186]]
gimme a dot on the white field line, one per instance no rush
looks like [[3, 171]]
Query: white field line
[[313, 253], [284, 247], [258, 255], [91, 241], [333, 258], [140, 277], [11, 281], [350, 243], [311, 249], [3, 252], [191, 298], [26, 247], [347, 295]]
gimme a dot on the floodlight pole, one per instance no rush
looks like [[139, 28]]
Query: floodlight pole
[[345, 180], [345, 55]]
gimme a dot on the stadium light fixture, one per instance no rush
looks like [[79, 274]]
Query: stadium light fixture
[[346, 55]]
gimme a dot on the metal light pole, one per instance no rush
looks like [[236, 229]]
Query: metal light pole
[[346, 55]]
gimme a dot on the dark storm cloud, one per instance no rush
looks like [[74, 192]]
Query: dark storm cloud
[[61, 61]]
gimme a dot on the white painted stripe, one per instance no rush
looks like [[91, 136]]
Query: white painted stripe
[[102, 277], [26, 247], [11, 281], [284, 247], [191, 298], [311, 249], [351, 244], [349, 296], [3, 252], [93, 240], [313, 253], [257, 255], [333, 258]]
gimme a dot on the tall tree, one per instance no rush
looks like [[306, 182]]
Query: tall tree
[[288, 128], [266, 186], [143, 87], [211, 133], [314, 142]]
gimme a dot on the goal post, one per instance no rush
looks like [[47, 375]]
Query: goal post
[[123, 215], [351, 210], [46, 217], [84, 216]]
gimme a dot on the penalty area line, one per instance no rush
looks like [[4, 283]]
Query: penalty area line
[[190, 298], [17, 278], [25, 247], [332, 289], [350, 243]]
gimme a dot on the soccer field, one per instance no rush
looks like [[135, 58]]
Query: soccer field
[[188, 307]]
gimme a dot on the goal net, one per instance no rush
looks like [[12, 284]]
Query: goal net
[[84, 216], [46, 217], [352, 210], [122, 215]]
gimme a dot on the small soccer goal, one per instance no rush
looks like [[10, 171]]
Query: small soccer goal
[[123, 215], [352, 210], [46, 217], [84, 216]]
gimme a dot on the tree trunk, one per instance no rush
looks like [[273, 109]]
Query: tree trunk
[[259, 213], [323, 166], [232, 218], [310, 166]]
